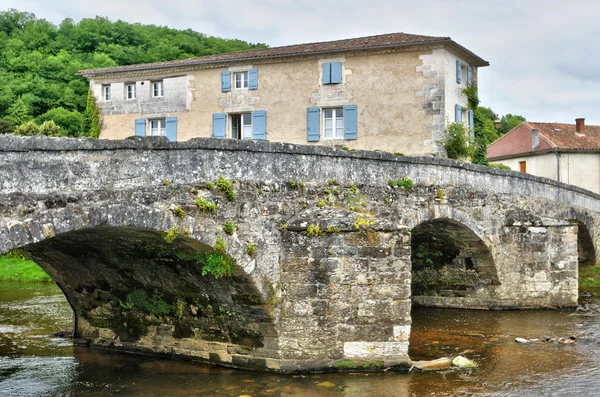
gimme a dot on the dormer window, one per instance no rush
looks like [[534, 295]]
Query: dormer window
[[158, 89], [241, 80], [130, 91], [106, 94]]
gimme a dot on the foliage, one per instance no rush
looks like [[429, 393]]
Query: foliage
[[405, 182], [170, 235], [226, 187], [155, 304], [333, 182], [217, 264], [205, 206], [5, 127], [292, 183], [313, 231], [39, 62], [321, 204], [178, 212], [352, 188], [14, 267], [229, 227], [71, 122], [399, 154], [332, 230], [456, 145], [439, 194], [432, 247], [91, 117], [589, 276], [220, 245], [361, 222], [509, 121], [165, 182], [282, 227], [27, 129], [251, 249], [345, 364], [499, 166]]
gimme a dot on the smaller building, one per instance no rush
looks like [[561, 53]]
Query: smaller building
[[568, 153]]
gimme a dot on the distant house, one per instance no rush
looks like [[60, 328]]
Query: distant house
[[568, 153], [393, 92]]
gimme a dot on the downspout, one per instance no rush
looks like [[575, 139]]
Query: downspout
[[557, 165]]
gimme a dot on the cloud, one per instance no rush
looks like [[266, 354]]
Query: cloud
[[543, 53]]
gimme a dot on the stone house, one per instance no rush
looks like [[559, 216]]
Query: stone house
[[394, 92], [568, 153]]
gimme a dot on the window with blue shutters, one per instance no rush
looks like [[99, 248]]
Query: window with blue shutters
[[332, 73], [225, 81], [313, 131], [140, 127], [471, 126], [469, 76], [458, 113], [172, 128], [253, 79], [458, 72], [350, 122], [219, 125], [259, 125]]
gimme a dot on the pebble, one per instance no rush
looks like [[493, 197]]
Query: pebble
[[326, 384]]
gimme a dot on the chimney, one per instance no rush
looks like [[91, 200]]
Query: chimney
[[535, 138], [580, 126]]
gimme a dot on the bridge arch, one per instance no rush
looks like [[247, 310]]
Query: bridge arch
[[131, 287], [451, 265]]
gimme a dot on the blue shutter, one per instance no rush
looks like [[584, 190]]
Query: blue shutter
[[313, 117], [350, 122], [458, 72], [219, 125], [471, 126], [458, 113], [336, 72], [253, 79], [259, 125], [327, 73], [225, 81], [172, 128], [469, 75], [140, 127]]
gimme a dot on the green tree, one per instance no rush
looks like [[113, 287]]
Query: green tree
[[71, 122], [456, 144], [27, 129], [92, 124], [19, 112], [5, 127], [509, 121]]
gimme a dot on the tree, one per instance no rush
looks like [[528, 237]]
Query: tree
[[5, 127], [92, 124], [69, 121], [456, 144], [27, 129], [19, 112], [509, 121], [49, 128]]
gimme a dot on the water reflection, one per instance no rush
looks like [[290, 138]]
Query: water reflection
[[32, 363]]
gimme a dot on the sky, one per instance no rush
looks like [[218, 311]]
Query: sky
[[544, 54]]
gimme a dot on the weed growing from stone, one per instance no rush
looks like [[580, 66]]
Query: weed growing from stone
[[332, 230], [362, 223], [345, 364], [327, 192], [302, 185], [439, 194], [333, 182], [170, 235], [220, 245], [178, 212], [165, 182], [210, 185], [229, 228], [398, 154], [337, 192], [321, 204], [405, 182], [313, 231], [283, 227], [352, 188], [292, 183], [251, 249], [226, 187], [205, 205]]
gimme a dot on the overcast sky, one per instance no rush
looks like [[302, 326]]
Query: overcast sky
[[544, 54]]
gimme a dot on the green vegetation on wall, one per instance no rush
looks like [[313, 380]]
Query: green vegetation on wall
[[39, 62]]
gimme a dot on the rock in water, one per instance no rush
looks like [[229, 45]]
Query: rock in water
[[433, 365], [521, 340], [463, 362]]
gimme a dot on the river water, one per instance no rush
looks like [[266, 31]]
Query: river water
[[34, 364]]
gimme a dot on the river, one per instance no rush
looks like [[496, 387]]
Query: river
[[32, 363]]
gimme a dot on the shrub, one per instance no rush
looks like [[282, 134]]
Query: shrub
[[456, 143], [27, 129], [405, 182], [500, 166]]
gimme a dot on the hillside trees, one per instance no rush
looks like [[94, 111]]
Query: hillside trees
[[39, 63]]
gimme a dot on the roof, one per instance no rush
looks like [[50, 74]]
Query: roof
[[390, 40], [553, 137]]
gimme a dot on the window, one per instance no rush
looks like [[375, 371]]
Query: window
[[130, 91], [158, 89], [464, 73], [158, 127], [106, 92], [333, 123], [241, 126], [523, 166], [241, 80]]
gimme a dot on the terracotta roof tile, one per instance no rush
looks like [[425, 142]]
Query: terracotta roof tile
[[359, 43], [564, 137]]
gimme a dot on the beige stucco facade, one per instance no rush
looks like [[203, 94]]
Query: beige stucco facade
[[404, 98], [579, 169]]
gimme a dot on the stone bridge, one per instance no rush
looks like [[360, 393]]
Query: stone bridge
[[136, 233]]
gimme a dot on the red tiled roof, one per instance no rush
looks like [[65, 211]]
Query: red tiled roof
[[360, 43], [553, 136]]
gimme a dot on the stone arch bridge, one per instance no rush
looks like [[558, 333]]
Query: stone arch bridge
[[319, 240]]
